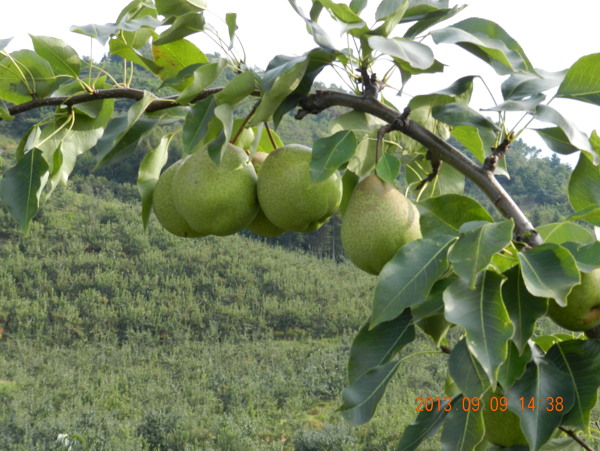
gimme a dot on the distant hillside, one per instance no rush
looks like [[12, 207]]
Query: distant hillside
[[88, 270]]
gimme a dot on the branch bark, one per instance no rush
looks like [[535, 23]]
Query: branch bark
[[101, 94], [440, 149]]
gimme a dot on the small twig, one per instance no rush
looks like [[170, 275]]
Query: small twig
[[436, 164], [241, 129], [395, 125], [369, 82], [491, 162], [574, 436]]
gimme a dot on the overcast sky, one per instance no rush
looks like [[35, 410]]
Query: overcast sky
[[553, 33]]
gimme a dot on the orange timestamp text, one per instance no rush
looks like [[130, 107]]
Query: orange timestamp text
[[494, 403]]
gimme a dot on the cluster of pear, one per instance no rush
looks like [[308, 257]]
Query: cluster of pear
[[195, 197], [269, 194]]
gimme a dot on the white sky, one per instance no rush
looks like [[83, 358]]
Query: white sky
[[553, 33]]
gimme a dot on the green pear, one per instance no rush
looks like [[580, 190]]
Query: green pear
[[216, 199], [349, 182], [378, 221], [288, 198], [583, 304], [164, 206], [502, 428], [261, 224]]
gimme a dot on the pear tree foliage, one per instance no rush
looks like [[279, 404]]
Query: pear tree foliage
[[489, 280]]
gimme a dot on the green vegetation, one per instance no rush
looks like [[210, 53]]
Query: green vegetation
[[148, 341]]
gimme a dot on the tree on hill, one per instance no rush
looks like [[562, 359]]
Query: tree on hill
[[444, 263]]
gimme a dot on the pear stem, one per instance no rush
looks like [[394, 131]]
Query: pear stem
[[271, 138], [243, 126]]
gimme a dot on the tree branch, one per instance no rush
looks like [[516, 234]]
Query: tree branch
[[101, 94], [440, 149]]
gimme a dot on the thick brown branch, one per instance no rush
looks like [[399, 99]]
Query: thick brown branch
[[100, 94], [440, 149]]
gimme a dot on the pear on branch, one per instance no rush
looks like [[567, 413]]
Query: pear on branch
[[164, 205], [288, 198], [216, 199], [583, 305], [378, 221], [261, 224]]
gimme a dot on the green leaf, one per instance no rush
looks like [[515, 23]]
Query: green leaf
[[62, 146], [522, 86], [557, 140], [527, 105], [342, 12], [582, 81], [590, 214], [183, 26], [463, 430], [429, 19], [461, 90], [196, 123], [358, 5], [62, 58], [4, 113], [4, 43], [489, 42], [360, 399], [21, 187], [407, 278], [549, 271], [466, 371], [523, 307], [580, 360], [514, 365], [473, 251], [470, 138], [127, 144], [445, 214], [375, 347], [203, 77], [429, 315], [416, 54], [330, 153], [100, 33], [278, 83], [456, 114], [541, 380], [170, 8], [171, 60], [17, 85], [573, 134], [425, 425], [124, 50], [231, 21], [586, 256], [223, 113], [561, 232], [387, 168], [317, 60], [118, 128], [149, 172], [584, 184], [390, 12], [485, 318]]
